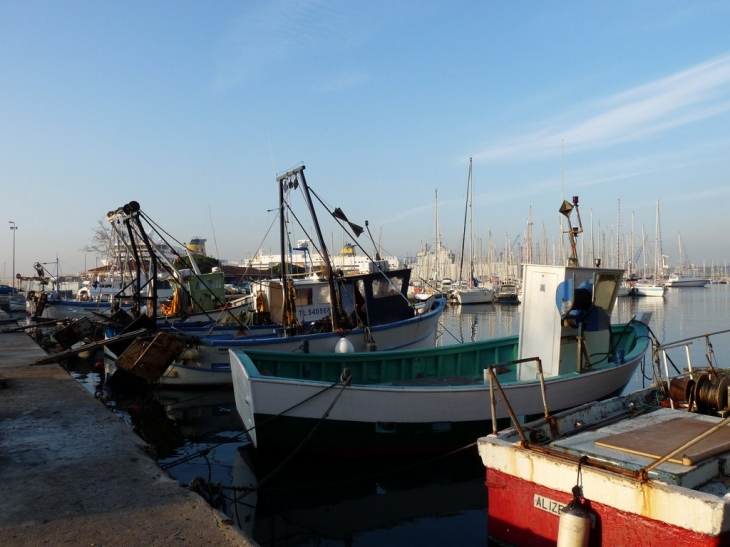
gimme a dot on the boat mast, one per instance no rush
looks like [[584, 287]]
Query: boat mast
[[619, 258], [471, 230], [463, 234], [282, 241], [528, 243], [292, 179], [437, 257], [656, 247], [632, 258], [565, 209]]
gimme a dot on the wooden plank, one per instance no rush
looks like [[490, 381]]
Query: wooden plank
[[657, 440], [150, 358], [53, 358]]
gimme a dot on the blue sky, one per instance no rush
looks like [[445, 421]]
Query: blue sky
[[190, 108]]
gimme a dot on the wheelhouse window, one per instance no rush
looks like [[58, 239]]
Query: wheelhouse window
[[604, 290], [323, 295], [384, 287], [304, 297]]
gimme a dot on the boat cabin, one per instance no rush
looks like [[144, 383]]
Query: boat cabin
[[565, 320]]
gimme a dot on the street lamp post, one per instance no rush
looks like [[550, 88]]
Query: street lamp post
[[14, 228]]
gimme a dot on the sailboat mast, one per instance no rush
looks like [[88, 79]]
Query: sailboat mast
[[656, 247], [619, 258], [632, 258], [528, 244], [463, 233], [437, 250], [471, 228]]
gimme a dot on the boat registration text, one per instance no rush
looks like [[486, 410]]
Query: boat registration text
[[546, 504]]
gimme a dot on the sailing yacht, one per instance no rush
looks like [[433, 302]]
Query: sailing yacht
[[468, 291], [433, 267], [653, 287], [679, 279]]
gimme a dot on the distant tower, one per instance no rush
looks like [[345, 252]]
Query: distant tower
[[197, 246]]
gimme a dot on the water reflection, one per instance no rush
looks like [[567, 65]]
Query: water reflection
[[479, 322], [197, 436], [354, 504], [307, 502]]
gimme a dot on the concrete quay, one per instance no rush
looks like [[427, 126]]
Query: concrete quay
[[72, 473]]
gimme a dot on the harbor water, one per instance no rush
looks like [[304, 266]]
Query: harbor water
[[197, 438]]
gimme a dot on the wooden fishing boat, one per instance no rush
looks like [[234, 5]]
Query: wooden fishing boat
[[438, 398], [648, 468], [206, 361], [369, 309]]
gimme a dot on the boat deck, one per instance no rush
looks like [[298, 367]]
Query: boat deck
[[636, 443]]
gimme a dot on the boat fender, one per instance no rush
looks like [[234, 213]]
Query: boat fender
[[189, 354], [344, 346], [346, 377], [575, 522]]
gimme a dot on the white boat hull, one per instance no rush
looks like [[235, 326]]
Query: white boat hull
[[650, 290], [398, 404], [210, 363], [686, 282], [474, 295], [401, 405], [438, 398]]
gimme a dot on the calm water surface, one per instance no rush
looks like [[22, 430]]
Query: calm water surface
[[425, 503]]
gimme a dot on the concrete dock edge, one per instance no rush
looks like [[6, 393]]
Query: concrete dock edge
[[72, 473]]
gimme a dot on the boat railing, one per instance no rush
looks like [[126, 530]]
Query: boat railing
[[686, 343], [493, 381]]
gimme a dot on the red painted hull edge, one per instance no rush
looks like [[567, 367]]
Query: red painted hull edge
[[512, 518]]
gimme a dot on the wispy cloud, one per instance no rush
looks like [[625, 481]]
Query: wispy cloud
[[347, 79], [267, 33], [695, 94]]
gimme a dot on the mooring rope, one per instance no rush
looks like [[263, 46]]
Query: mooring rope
[[204, 452], [345, 381]]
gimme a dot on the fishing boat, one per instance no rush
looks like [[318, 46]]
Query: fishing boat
[[438, 398], [54, 299], [390, 324], [366, 311], [426, 400], [648, 468]]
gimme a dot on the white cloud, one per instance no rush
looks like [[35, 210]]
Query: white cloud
[[268, 33], [695, 94]]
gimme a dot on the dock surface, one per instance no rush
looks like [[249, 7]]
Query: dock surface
[[72, 473]]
